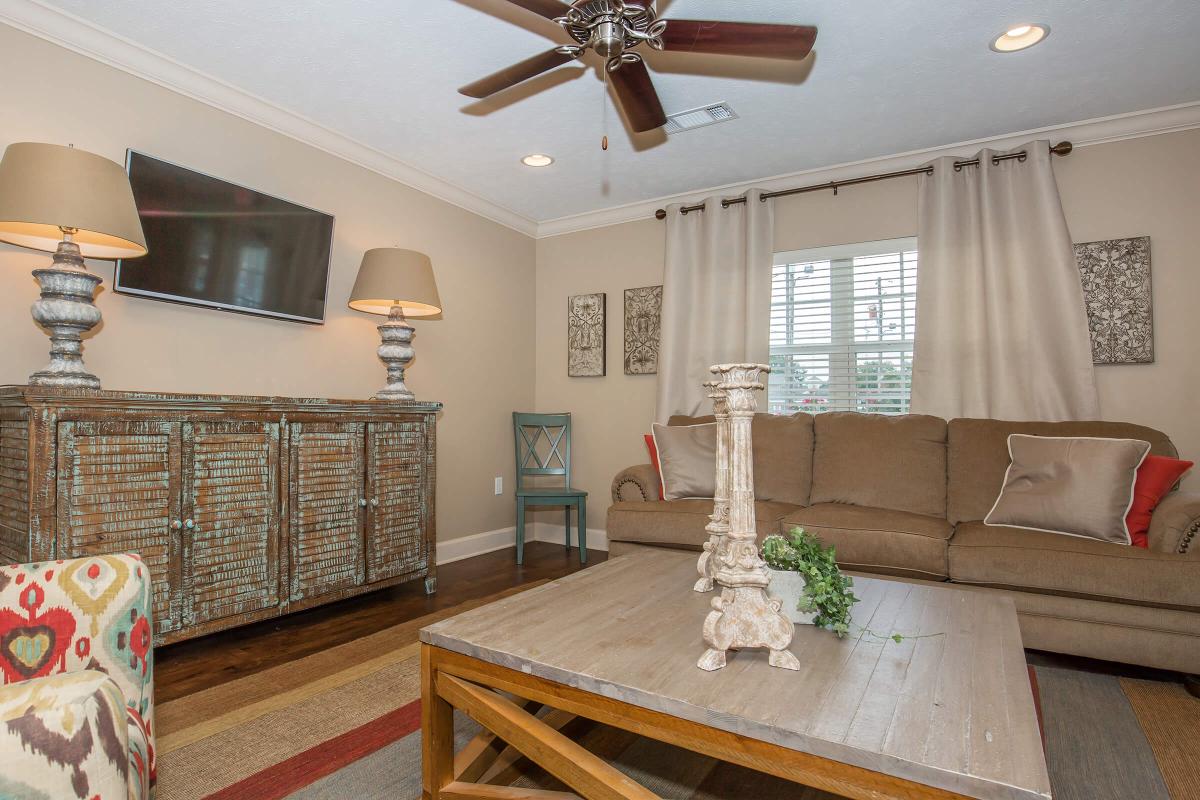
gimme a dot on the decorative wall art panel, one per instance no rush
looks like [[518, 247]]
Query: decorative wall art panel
[[1120, 306], [643, 321], [585, 335]]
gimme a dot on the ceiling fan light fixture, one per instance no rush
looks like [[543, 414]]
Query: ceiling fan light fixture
[[537, 160], [1020, 37], [623, 31]]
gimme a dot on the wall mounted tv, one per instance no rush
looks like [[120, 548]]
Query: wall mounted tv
[[223, 246]]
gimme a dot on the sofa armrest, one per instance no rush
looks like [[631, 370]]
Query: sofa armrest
[[637, 484], [1175, 525], [65, 735]]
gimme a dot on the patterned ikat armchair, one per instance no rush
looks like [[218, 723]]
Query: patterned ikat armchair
[[77, 707]]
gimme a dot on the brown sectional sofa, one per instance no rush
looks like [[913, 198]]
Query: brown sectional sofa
[[905, 496]]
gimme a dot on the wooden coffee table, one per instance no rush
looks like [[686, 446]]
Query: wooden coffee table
[[947, 715]]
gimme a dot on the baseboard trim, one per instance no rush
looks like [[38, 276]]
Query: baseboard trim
[[597, 538], [477, 544]]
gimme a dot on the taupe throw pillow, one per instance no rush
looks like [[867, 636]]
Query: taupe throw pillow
[[1076, 486], [687, 459]]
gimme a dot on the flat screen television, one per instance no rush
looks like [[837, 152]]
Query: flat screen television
[[220, 245]]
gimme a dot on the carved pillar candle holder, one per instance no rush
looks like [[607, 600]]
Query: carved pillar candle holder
[[719, 521], [743, 616]]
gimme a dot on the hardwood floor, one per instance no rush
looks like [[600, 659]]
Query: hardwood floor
[[190, 666]]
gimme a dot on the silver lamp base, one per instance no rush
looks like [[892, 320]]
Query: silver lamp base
[[397, 353], [66, 311]]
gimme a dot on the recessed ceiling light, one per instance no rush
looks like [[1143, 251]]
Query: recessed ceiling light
[[537, 160], [1020, 37]]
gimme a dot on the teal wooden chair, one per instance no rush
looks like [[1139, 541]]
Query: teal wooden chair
[[543, 447]]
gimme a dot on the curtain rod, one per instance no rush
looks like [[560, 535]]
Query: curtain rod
[[1060, 149]]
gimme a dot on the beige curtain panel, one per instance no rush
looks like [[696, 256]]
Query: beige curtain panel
[[1002, 330], [716, 298]]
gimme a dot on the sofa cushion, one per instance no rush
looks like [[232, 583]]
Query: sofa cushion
[[1034, 561], [977, 453], [881, 461], [783, 453], [878, 539], [680, 523]]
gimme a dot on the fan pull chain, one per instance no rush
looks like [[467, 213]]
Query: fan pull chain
[[604, 110]]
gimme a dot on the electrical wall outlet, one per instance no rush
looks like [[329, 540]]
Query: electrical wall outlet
[[499, 485]]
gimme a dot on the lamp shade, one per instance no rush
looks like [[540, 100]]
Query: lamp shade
[[46, 187], [390, 277]]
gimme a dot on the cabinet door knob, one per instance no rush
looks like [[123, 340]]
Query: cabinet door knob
[[189, 524], [176, 524], [374, 502], [362, 501]]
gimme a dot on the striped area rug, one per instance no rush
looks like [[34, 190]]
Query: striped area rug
[[344, 723]]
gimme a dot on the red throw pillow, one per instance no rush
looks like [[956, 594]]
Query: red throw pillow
[[1155, 477], [654, 461]]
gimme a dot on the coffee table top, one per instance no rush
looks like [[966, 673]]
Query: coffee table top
[[952, 709]]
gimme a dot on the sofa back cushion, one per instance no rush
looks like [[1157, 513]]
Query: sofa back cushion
[[978, 456], [881, 461], [783, 455]]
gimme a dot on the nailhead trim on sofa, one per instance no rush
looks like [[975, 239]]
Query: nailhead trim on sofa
[[1186, 543]]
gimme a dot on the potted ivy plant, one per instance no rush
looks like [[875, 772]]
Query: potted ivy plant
[[806, 579]]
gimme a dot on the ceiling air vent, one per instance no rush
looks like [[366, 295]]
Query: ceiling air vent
[[699, 117]]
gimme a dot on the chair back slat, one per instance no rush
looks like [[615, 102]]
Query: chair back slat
[[543, 445]]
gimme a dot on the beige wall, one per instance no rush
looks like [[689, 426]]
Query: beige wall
[[477, 360], [1141, 187]]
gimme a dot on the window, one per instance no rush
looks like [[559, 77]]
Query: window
[[842, 323]]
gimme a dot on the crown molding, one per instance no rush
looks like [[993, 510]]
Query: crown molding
[[1100, 130], [80, 36]]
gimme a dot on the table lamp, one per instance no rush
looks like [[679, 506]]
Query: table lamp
[[76, 205], [396, 283]]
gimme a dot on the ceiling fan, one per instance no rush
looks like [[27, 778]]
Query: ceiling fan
[[613, 29]]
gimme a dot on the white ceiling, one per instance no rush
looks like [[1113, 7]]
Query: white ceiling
[[885, 77]]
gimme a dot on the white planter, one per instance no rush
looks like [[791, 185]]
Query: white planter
[[787, 587]]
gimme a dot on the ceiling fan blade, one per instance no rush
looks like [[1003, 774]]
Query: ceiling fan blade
[[739, 38], [633, 86], [517, 73], [550, 9]]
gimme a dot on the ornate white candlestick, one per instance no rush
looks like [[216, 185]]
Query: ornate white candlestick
[[719, 521], [743, 616]]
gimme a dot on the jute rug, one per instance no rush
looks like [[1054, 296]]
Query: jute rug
[[345, 723]]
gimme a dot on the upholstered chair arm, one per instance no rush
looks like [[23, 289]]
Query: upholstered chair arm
[[637, 484], [64, 735], [82, 614], [1175, 526]]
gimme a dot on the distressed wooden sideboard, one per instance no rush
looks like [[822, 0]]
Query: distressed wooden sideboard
[[244, 508]]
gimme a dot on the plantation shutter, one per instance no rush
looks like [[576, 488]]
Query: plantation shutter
[[842, 325]]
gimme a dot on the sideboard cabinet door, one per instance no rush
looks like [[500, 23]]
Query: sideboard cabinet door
[[119, 491], [396, 473], [327, 502], [231, 500], [14, 490]]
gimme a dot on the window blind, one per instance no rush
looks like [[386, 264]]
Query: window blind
[[842, 328]]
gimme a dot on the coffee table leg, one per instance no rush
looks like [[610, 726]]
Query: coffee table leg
[[437, 731]]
